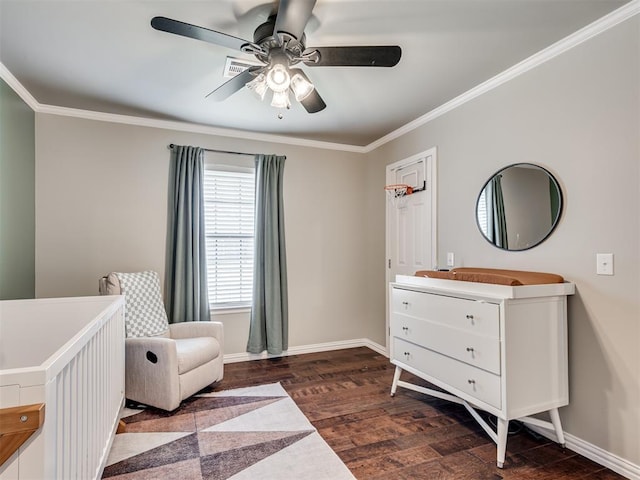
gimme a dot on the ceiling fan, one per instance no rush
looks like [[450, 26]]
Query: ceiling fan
[[279, 45]]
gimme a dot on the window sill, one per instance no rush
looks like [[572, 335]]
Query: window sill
[[229, 310]]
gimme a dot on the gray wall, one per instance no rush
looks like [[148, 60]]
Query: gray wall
[[577, 115], [17, 196], [102, 204]]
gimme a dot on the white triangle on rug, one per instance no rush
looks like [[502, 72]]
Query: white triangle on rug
[[309, 459], [283, 415], [127, 445], [127, 412], [269, 390]]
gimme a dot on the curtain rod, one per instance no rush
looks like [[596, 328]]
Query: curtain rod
[[171, 145]]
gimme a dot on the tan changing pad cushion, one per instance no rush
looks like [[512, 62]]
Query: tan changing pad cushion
[[493, 275]]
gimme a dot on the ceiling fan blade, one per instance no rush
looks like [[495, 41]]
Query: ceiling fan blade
[[199, 33], [366, 56], [313, 103], [293, 16], [230, 87]]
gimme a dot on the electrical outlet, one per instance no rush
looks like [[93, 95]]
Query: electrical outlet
[[451, 259], [604, 263]]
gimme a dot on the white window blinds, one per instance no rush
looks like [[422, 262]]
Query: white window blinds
[[229, 209], [481, 213]]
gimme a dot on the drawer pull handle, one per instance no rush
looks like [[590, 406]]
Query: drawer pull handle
[[471, 382], [406, 354], [470, 317], [405, 303], [405, 329], [470, 349]]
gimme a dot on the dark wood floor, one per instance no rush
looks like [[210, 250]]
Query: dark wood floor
[[345, 394]]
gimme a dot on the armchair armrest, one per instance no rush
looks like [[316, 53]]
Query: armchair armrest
[[163, 348], [186, 330], [197, 329], [152, 371]]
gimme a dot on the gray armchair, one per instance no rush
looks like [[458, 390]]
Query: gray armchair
[[165, 363]]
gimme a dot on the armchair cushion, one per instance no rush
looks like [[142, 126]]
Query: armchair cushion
[[193, 352]]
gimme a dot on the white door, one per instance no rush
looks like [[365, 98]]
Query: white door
[[411, 224]]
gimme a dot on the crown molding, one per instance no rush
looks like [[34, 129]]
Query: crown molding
[[194, 128], [17, 87], [599, 26]]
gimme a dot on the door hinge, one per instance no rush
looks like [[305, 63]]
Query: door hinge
[[389, 263]]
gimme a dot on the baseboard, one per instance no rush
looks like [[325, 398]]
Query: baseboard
[[596, 454], [315, 348]]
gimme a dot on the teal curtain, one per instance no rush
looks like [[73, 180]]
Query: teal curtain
[[269, 328], [498, 218], [186, 294]]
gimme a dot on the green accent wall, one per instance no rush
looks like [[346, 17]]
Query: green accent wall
[[17, 196]]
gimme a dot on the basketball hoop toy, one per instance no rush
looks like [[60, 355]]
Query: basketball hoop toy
[[397, 193]]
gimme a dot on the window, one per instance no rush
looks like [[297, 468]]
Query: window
[[485, 213], [229, 195], [482, 214]]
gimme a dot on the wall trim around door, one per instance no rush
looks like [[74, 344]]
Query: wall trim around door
[[431, 176]]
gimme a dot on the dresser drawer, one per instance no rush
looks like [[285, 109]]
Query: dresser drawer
[[473, 382], [478, 350], [481, 318]]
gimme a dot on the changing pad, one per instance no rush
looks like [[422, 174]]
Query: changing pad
[[493, 275]]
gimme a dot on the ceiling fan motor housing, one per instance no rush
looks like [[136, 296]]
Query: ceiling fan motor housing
[[264, 36]]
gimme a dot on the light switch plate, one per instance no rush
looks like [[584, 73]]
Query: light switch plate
[[604, 263]]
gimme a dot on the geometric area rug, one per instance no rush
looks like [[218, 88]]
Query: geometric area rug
[[243, 434]]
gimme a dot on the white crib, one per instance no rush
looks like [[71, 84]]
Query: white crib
[[67, 353]]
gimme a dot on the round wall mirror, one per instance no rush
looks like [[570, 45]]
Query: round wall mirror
[[519, 207]]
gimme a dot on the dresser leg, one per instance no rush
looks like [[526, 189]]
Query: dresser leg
[[555, 420], [396, 378], [503, 431]]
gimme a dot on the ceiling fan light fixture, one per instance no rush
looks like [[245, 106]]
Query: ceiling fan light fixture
[[281, 100], [258, 86], [278, 78], [301, 87]]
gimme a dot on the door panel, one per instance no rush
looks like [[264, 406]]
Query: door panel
[[411, 223]]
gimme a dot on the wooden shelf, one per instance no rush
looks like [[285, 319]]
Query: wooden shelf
[[17, 424]]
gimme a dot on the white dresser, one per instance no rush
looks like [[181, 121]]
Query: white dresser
[[496, 348]]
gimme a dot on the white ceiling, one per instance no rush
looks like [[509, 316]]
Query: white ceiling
[[102, 55]]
